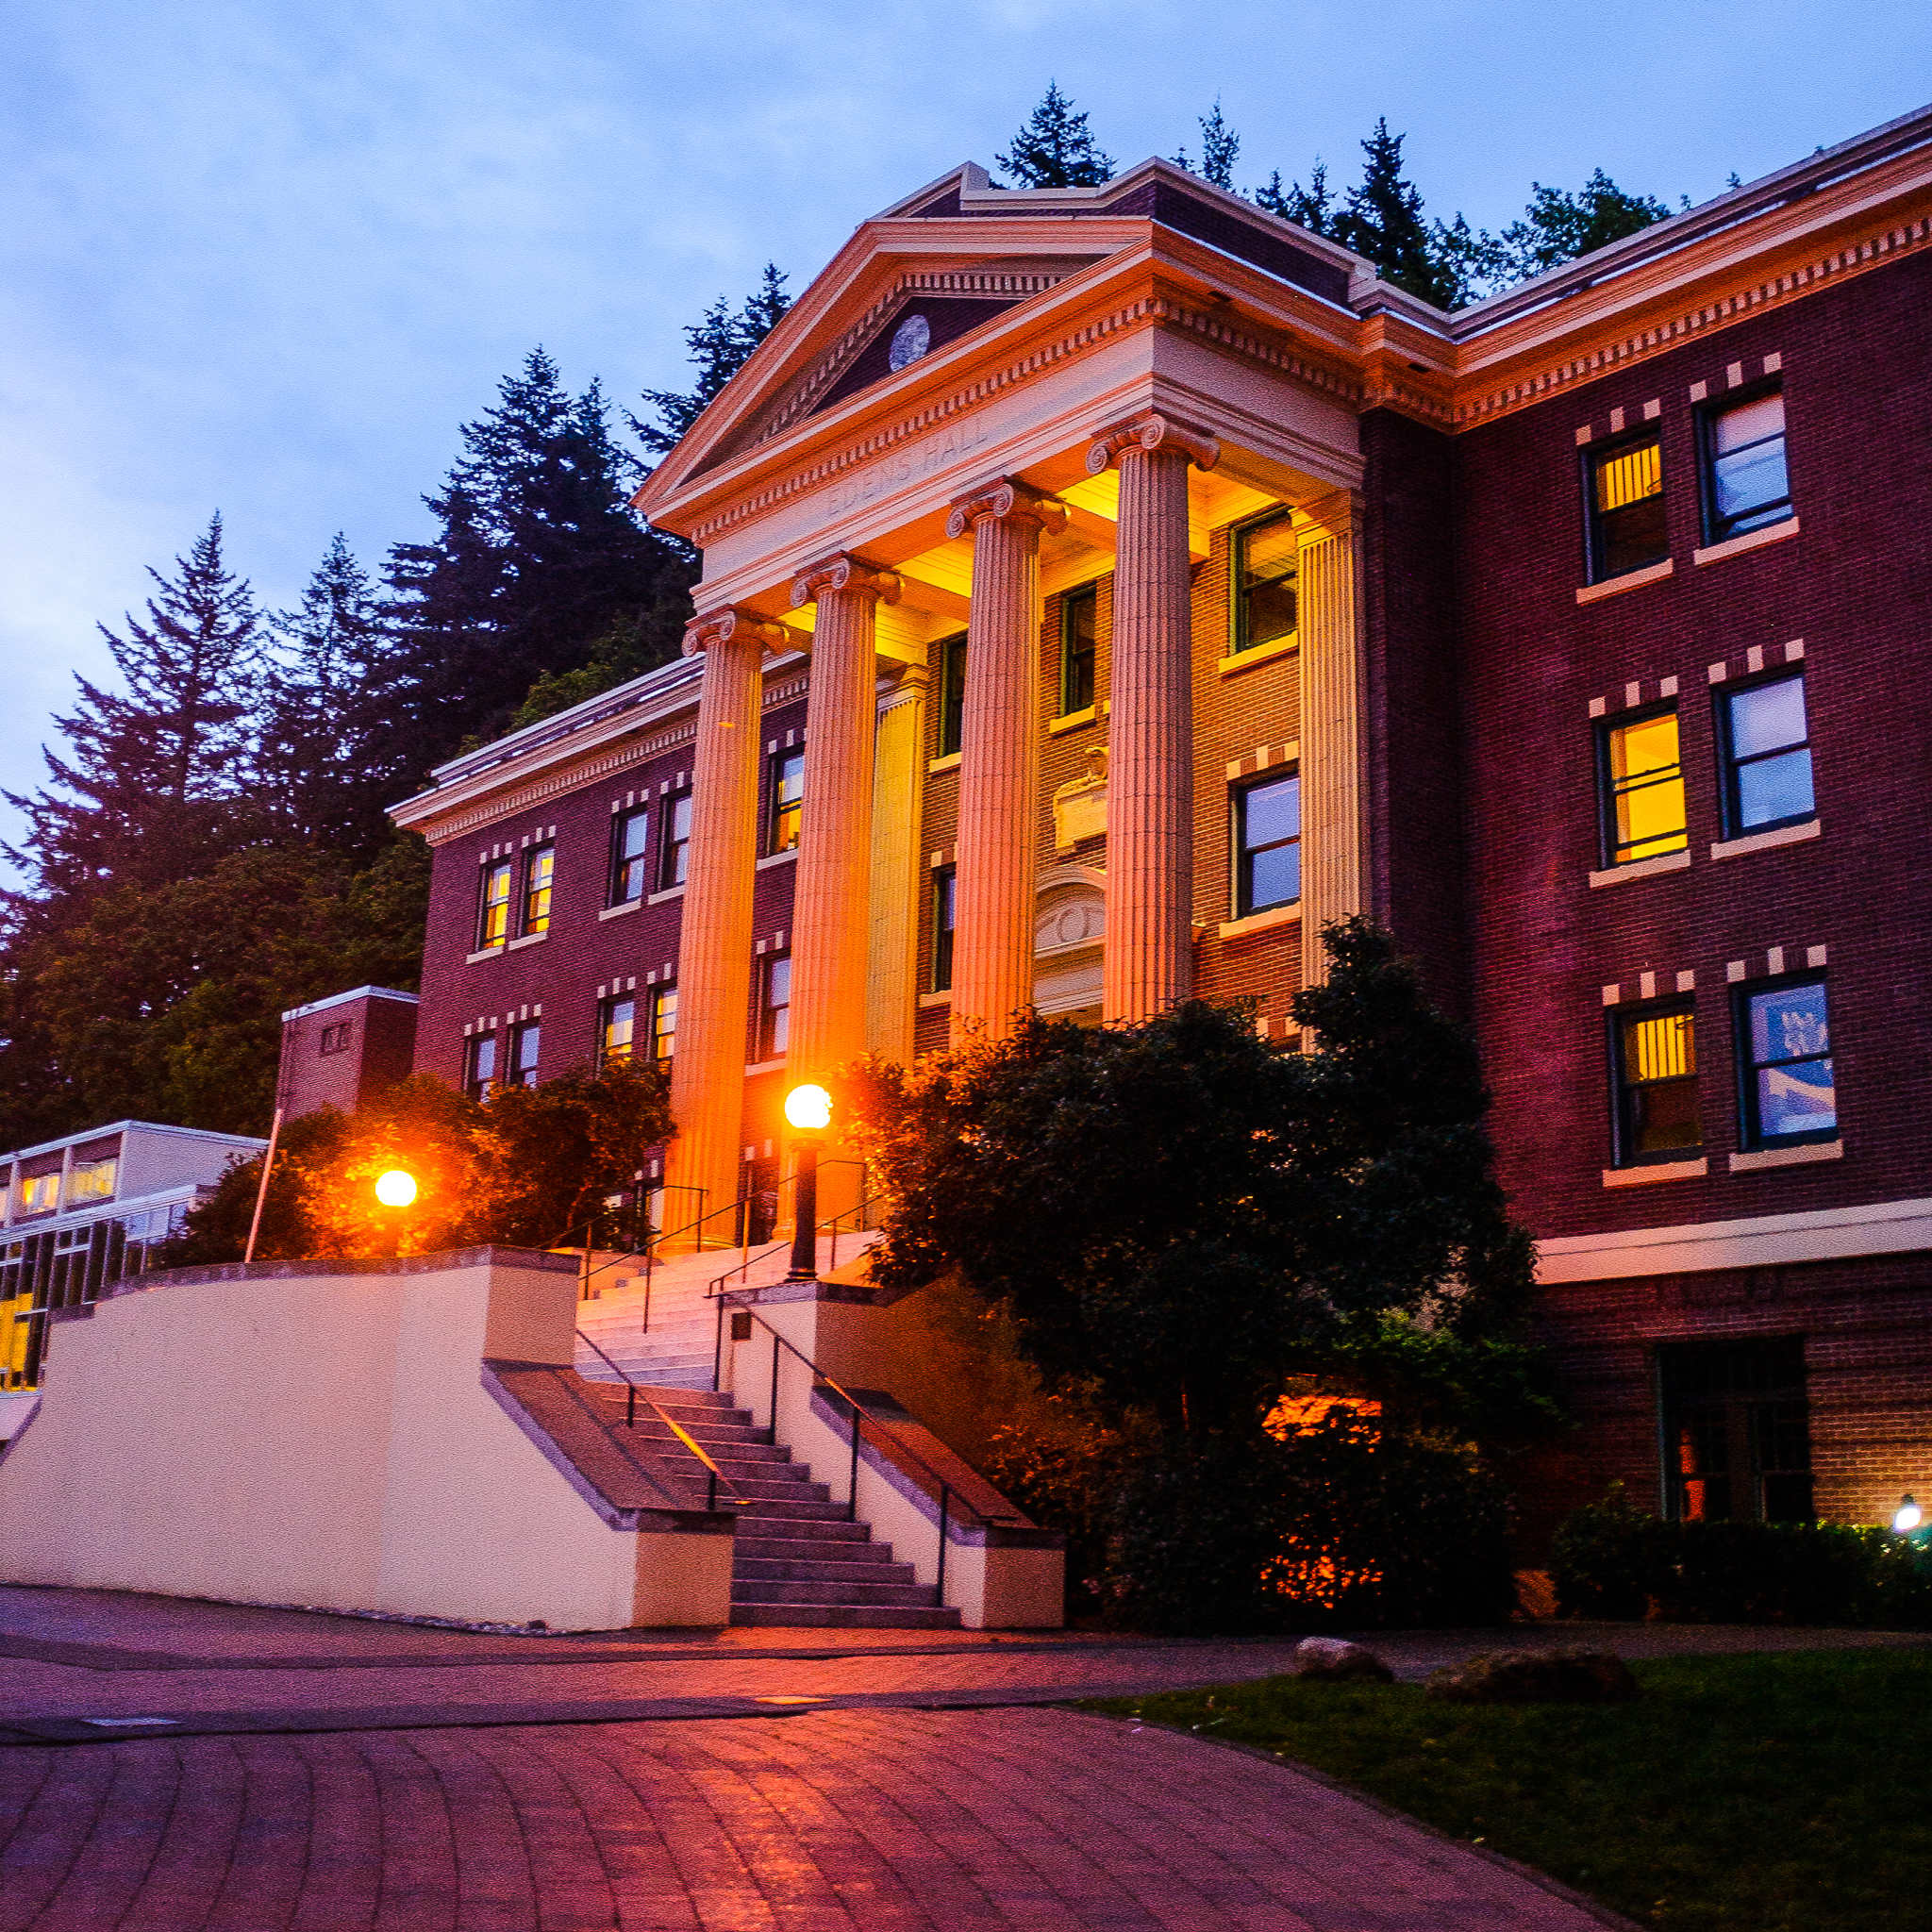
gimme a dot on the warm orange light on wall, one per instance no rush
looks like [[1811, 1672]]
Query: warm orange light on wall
[[808, 1109], [396, 1189]]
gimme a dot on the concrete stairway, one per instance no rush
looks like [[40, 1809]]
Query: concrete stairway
[[679, 1349], [799, 1562]]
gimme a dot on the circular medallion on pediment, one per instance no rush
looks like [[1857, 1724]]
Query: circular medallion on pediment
[[910, 340]]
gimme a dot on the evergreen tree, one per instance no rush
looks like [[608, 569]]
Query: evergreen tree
[[1306, 206], [720, 345], [318, 744], [1556, 227], [538, 555], [160, 776], [1220, 146], [1383, 220], [1054, 149]]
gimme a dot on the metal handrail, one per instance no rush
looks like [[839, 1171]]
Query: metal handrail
[[830, 1221], [862, 1415], [690, 1442]]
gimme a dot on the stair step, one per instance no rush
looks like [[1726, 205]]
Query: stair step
[[797, 1591], [816, 1541], [771, 1509], [800, 1492], [843, 1617], [817, 1570]]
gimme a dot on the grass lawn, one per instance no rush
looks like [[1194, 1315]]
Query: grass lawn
[[1774, 1793]]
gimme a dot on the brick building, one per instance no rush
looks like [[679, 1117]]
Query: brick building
[[1104, 588]]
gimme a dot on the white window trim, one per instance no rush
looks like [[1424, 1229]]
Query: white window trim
[[1629, 580], [1260, 922], [668, 893], [529, 939], [1641, 868], [495, 952], [789, 857], [1788, 1156], [1657, 1171], [1766, 841], [618, 912], [1260, 653], [1751, 539]]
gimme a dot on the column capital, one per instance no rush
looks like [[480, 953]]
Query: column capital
[[841, 570], [1151, 430], [732, 624], [1006, 498]]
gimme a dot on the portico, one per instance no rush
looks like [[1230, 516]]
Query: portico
[[1083, 402]]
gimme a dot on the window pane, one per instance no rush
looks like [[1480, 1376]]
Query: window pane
[[1774, 788], [952, 696], [1767, 717], [1788, 1023], [677, 843], [1647, 789], [1663, 1047], [1748, 423], [1633, 537], [664, 1023], [620, 1021], [1628, 476], [1269, 556], [1275, 877], [1796, 1100], [542, 866], [1753, 479], [788, 791], [1650, 745], [1271, 812], [779, 984]]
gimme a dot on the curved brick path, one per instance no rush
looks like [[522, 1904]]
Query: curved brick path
[[849, 1821]]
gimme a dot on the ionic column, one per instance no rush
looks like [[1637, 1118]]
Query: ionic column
[[834, 872], [1149, 959], [1334, 815], [893, 953], [999, 755], [714, 945]]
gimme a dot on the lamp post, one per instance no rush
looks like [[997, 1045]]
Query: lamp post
[[809, 1112], [1908, 1516]]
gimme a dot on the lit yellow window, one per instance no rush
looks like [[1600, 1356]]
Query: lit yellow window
[[1645, 786], [494, 928], [93, 1180], [537, 878], [38, 1192], [1629, 477]]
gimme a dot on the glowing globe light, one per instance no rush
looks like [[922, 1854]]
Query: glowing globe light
[[808, 1109], [1908, 1516], [396, 1189]]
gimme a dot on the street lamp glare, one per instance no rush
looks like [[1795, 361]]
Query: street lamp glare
[[1908, 1516], [396, 1189], [808, 1109]]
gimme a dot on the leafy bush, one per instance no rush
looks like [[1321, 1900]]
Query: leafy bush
[[1341, 1526], [1613, 1561]]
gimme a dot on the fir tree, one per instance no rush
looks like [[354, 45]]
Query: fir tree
[[318, 741], [162, 773], [1309, 207], [537, 557], [1383, 220], [720, 345], [1556, 227], [1220, 146], [1054, 149]]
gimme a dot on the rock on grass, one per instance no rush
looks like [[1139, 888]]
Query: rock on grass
[[1533, 1677]]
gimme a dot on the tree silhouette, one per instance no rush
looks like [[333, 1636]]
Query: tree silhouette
[[1054, 149]]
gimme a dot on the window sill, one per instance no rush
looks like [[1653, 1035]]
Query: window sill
[[1260, 654], [776, 1066], [949, 763], [1630, 580], [1657, 1171], [937, 999], [1641, 868], [618, 912], [1070, 721], [1751, 539], [1260, 922], [1767, 842], [1788, 1156], [495, 952], [668, 893], [771, 859], [529, 939]]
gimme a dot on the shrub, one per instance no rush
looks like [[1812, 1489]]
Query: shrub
[[1611, 1560]]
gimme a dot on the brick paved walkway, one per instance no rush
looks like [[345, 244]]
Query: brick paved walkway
[[333, 1775]]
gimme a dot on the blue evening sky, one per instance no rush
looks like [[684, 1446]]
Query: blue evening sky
[[267, 257]]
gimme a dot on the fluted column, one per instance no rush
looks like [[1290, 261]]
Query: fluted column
[[999, 755], [829, 906], [1149, 959], [714, 945], [1334, 816], [897, 866]]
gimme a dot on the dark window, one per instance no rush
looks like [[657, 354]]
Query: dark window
[[676, 857], [1266, 557], [1642, 788], [616, 1028], [952, 655], [539, 870], [1784, 1034], [1079, 617], [788, 800], [525, 1041], [775, 1007], [1745, 485], [663, 1025], [336, 1038], [630, 856], [1268, 844], [1764, 738], [1737, 1435], [945, 907], [493, 922], [1656, 1068], [1626, 507], [480, 1066]]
